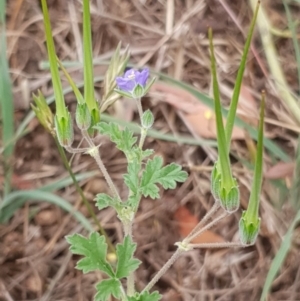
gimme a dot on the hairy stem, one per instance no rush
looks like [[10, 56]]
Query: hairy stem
[[140, 108], [216, 245], [212, 210], [163, 270], [143, 137], [85, 201], [208, 226], [93, 151]]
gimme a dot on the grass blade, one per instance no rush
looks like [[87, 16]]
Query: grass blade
[[18, 198], [269, 145], [279, 258], [238, 82], [6, 103]]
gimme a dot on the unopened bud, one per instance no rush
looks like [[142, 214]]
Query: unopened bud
[[83, 116], [215, 182], [147, 119], [64, 130], [43, 112], [248, 229], [230, 200]]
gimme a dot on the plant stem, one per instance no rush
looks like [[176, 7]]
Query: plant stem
[[95, 154], [163, 270], [143, 137], [140, 108], [208, 226], [217, 245], [85, 201], [212, 210], [130, 279]]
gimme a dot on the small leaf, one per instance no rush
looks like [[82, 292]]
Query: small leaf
[[171, 174], [94, 249], [132, 177], [146, 296], [106, 288], [103, 200], [147, 153], [149, 177], [155, 174], [126, 262], [123, 139]]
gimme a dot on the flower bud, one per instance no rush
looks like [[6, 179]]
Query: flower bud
[[64, 130], [43, 112], [83, 116], [248, 229], [215, 182], [147, 119], [230, 199]]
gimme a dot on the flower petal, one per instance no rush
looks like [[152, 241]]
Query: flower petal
[[142, 77], [125, 84]]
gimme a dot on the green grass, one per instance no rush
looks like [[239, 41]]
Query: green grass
[[281, 254], [6, 104]]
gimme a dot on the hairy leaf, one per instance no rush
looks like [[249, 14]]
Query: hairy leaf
[[94, 249], [132, 177], [155, 174], [106, 288], [126, 262], [103, 200], [123, 139], [146, 296]]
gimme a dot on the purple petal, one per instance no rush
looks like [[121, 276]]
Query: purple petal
[[142, 77], [125, 84], [130, 74]]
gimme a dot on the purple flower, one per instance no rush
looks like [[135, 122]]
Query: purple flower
[[131, 79]]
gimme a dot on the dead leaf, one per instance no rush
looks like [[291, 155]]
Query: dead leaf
[[280, 170], [18, 182], [199, 118], [187, 223]]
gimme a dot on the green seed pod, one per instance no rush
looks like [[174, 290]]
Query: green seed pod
[[147, 119], [64, 130], [230, 200], [83, 116], [248, 230]]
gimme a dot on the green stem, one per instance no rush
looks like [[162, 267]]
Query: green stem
[[140, 108], [221, 138], [130, 279], [238, 82], [252, 211], [85, 201]]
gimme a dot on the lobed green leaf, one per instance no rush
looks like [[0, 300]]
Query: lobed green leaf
[[146, 296], [126, 263], [131, 179], [94, 250], [155, 174], [106, 288], [123, 139], [103, 200]]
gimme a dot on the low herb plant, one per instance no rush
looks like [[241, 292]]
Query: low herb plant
[[145, 170]]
